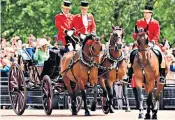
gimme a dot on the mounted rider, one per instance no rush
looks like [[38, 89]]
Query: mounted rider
[[153, 31], [63, 22]]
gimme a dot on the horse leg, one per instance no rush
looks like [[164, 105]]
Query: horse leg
[[140, 98], [71, 93], [136, 97], [74, 110], [81, 84], [105, 94], [93, 106], [125, 94], [149, 103], [110, 95], [156, 104], [84, 97]]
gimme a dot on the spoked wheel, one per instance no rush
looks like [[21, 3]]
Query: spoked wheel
[[17, 89], [47, 97], [105, 107], [78, 103]]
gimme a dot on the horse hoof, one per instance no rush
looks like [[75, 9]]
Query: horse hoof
[[111, 110], [93, 107], [74, 113], [87, 113], [105, 109], [154, 117], [147, 116], [128, 109], [141, 116]]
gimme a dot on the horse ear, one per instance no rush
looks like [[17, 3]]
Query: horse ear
[[102, 37], [121, 26], [113, 27], [136, 29]]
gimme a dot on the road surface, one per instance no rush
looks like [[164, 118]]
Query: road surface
[[66, 115]]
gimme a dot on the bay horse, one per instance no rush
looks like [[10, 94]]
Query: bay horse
[[113, 67], [80, 67], [146, 72]]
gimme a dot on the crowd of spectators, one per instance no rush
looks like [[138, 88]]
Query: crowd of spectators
[[9, 52]]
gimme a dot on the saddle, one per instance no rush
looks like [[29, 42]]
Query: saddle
[[156, 52]]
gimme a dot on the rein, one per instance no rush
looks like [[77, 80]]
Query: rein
[[90, 63]]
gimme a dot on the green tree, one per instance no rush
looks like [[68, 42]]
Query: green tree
[[24, 17]]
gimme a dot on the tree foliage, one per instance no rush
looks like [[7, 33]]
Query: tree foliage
[[24, 17]]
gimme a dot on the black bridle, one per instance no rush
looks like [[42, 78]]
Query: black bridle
[[115, 37], [92, 55]]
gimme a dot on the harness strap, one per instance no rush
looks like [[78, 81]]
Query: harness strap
[[73, 74], [143, 71], [115, 59], [71, 64], [89, 74]]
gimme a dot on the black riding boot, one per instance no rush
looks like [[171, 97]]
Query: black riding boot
[[130, 69], [130, 72], [162, 75]]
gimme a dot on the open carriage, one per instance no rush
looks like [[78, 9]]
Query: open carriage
[[28, 76]]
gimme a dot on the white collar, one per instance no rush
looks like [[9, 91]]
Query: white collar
[[148, 20], [65, 14]]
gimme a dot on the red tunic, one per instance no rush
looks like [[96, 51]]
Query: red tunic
[[153, 29], [63, 23], [77, 23], [133, 82]]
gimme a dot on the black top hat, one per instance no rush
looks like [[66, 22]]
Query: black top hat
[[67, 4], [84, 4], [148, 9]]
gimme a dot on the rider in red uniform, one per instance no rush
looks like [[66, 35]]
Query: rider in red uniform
[[63, 22], [153, 36], [84, 23]]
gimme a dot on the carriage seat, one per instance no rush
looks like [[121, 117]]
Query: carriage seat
[[24, 54], [30, 51], [51, 66]]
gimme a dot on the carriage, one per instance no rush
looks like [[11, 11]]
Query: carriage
[[48, 78], [26, 75]]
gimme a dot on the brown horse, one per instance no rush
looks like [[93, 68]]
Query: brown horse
[[113, 67], [146, 70], [80, 67]]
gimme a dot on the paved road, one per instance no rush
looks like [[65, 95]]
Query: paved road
[[66, 115]]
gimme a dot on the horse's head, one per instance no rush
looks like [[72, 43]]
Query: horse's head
[[93, 47], [116, 39], [142, 36]]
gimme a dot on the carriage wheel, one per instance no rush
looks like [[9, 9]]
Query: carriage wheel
[[47, 97], [105, 108], [78, 103], [17, 89]]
